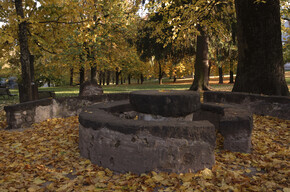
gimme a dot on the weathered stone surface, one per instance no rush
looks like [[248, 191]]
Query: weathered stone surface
[[143, 152], [276, 106], [141, 146], [165, 103], [25, 114], [42, 113], [234, 123], [236, 127], [89, 88]]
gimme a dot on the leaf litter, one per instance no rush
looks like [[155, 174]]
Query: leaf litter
[[46, 158]]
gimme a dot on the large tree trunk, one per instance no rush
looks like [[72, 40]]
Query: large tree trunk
[[108, 79], [260, 64], [141, 79], [201, 66], [26, 94], [117, 76], [129, 79], [221, 79], [93, 73], [82, 75]]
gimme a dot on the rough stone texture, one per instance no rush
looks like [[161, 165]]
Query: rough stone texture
[[25, 114], [141, 146], [143, 152], [276, 106], [236, 127], [90, 88], [165, 103], [42, 113], [234, 123]]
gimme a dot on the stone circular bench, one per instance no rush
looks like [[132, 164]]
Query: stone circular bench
[[124, 137], [140, 146], [165, 103]]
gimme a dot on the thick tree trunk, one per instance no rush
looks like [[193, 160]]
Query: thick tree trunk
[[141, 78], [104, 77], [71, 80], [82, 75], [93, 73], [129, 79], [108, 77], [201, 66], [221, 79], [260, 64], [27, 91], [231, 71], [100, 77], [117, 76]]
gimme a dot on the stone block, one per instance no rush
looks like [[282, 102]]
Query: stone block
[[165, 103], [236, 128]]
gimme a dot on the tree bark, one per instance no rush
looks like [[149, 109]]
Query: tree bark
[[26, 93], [260, 61], [201, 66], [82, 75], [117, 76], [141, 78], [129, 79], [231, 71], [93, 73], [108, 77], [160, 73], [104, 77], [71, 80], [221, 79]]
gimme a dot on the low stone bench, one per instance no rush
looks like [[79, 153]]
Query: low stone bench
[[275, 106], [142, 146], [235, 124]]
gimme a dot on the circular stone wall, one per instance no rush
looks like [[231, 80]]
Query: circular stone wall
[[165, 103]]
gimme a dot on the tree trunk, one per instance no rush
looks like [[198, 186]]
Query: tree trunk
[[260, 63], [174, 79], [27, 92], [201, 66], [93, 73], [104, 77], [129, 79], [117, 76], [82, 75], [209, 67], [108, 77], [71, 80], [141, 78], [231, 71], [221, 79], [160, 73]]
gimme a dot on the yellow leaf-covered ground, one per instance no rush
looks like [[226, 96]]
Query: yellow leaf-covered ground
[[46, 158]]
